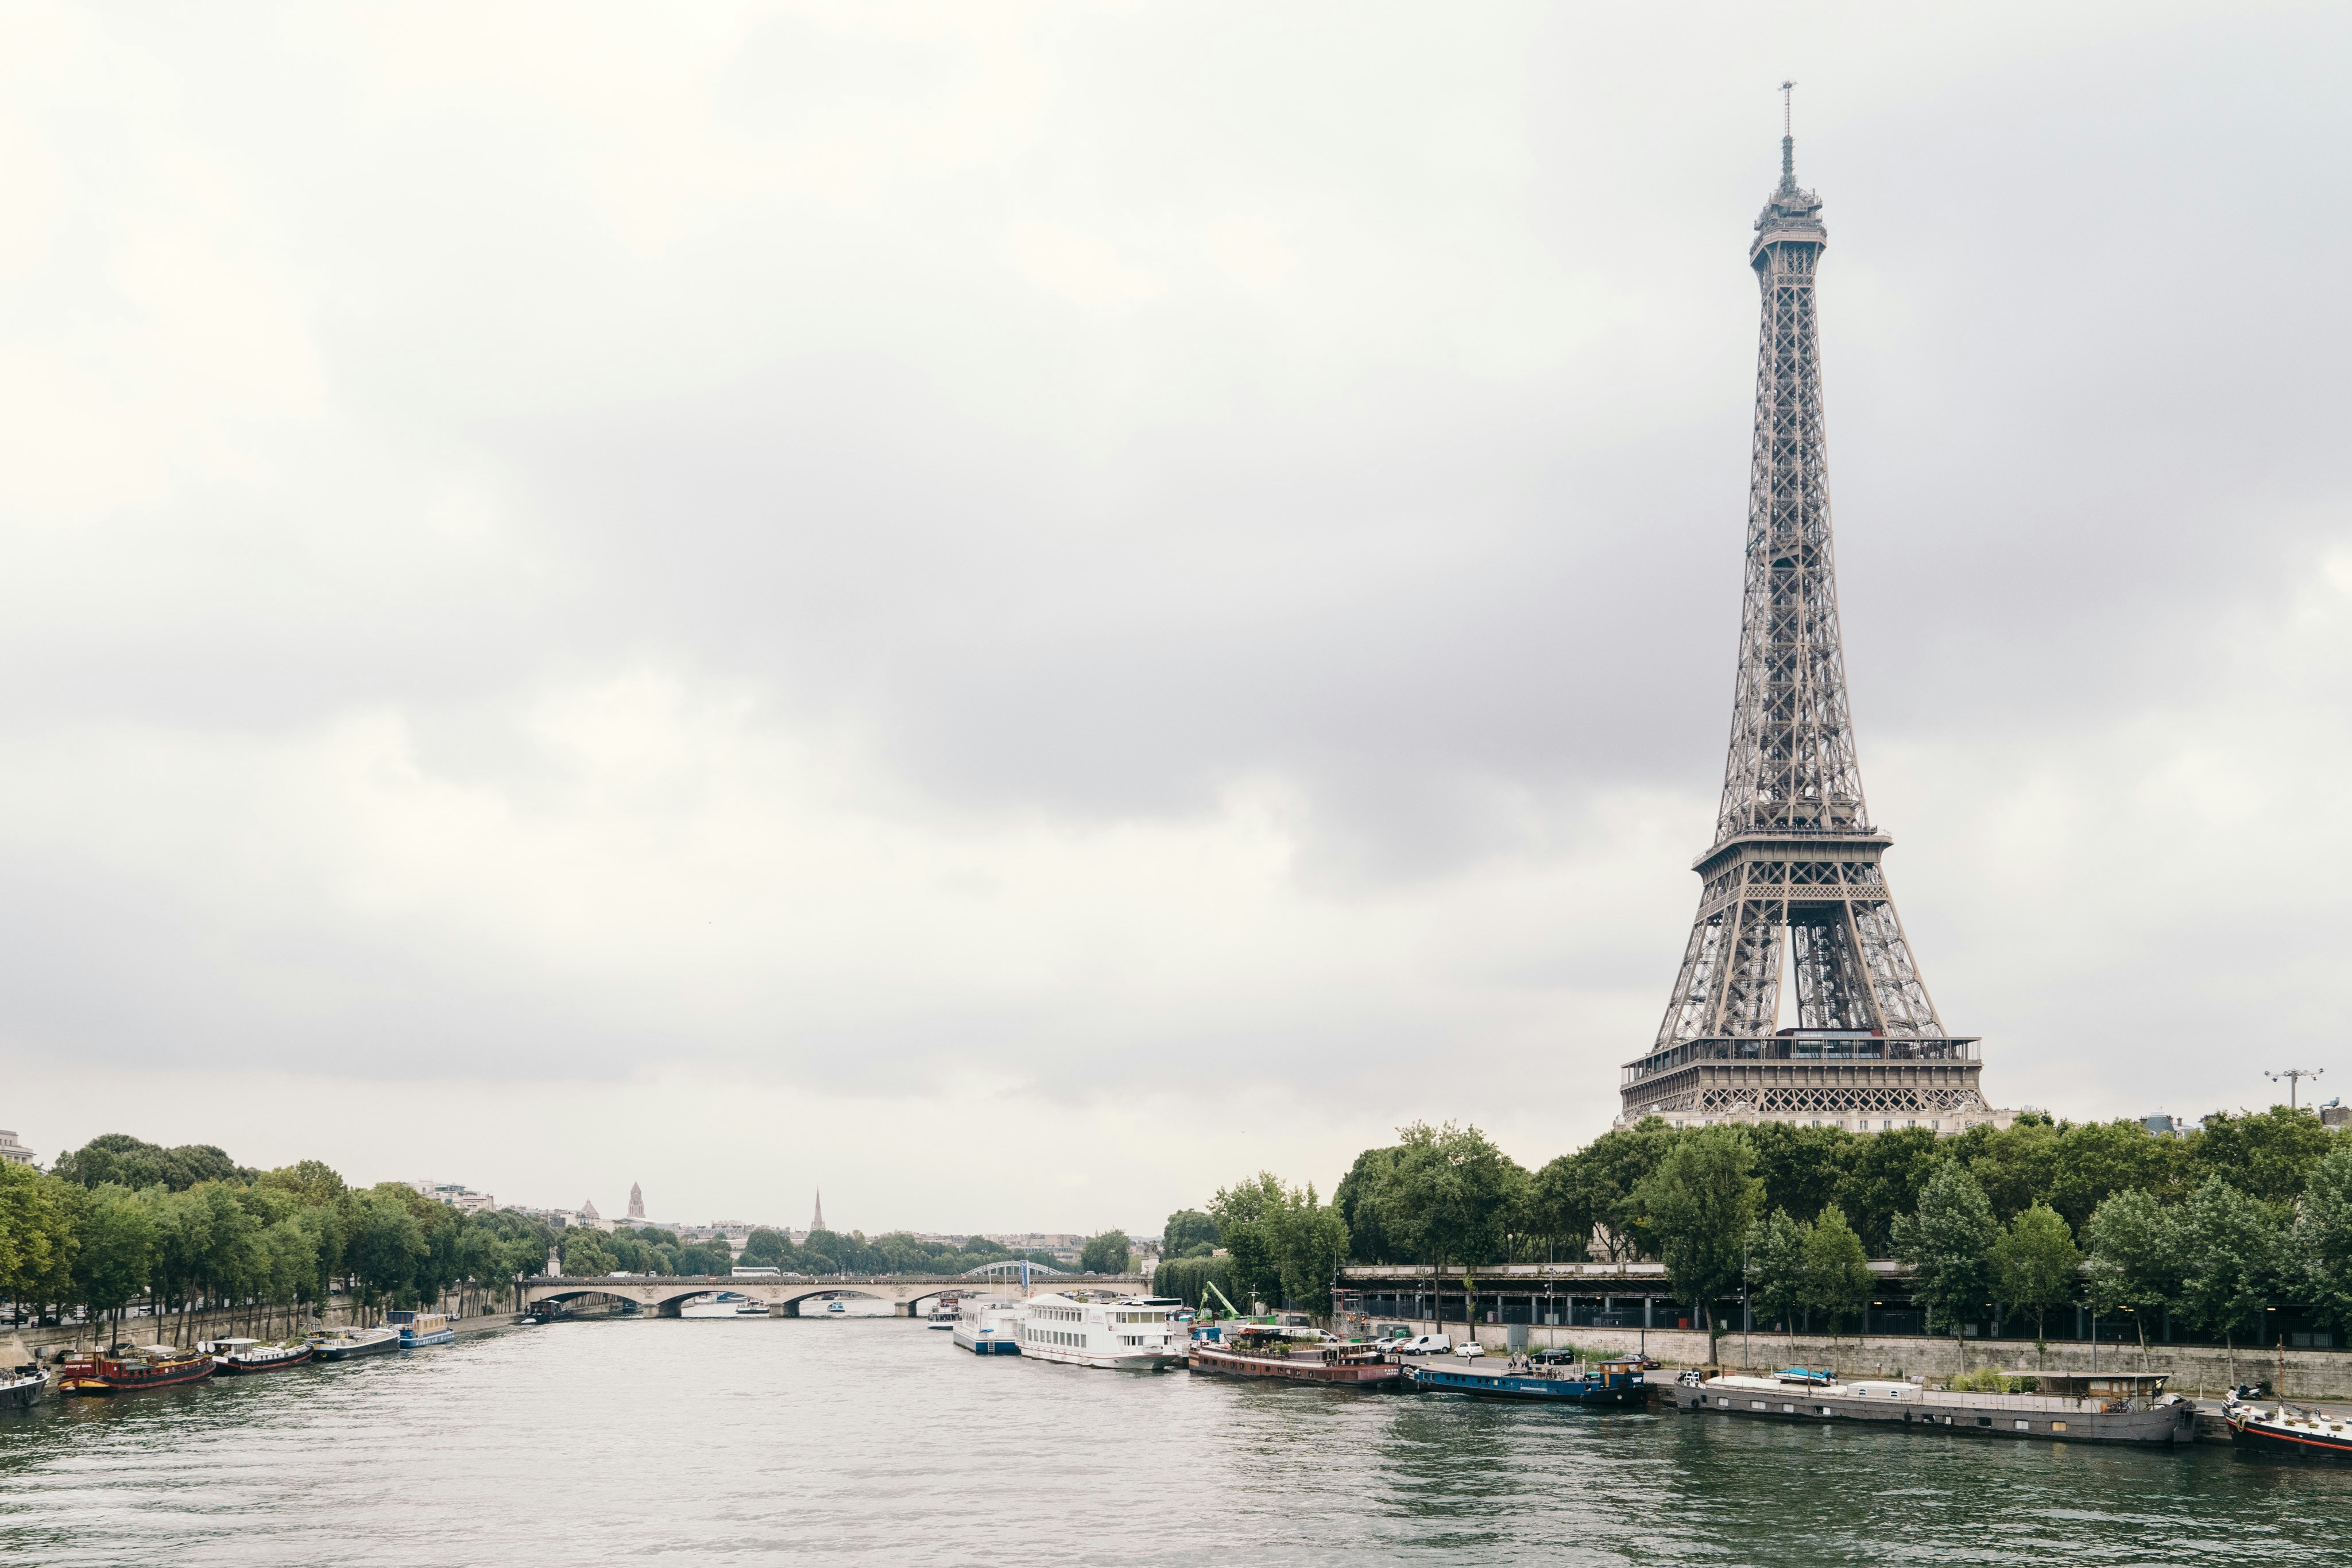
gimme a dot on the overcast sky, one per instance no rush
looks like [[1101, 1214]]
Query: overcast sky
[[1021, 612]]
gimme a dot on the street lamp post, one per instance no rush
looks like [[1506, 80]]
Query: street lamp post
[[2295, 1076]]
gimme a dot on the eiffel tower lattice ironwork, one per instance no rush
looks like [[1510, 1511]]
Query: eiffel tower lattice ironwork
[[1794, 876]]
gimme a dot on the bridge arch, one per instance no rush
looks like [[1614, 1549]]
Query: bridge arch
[[664, 1294]]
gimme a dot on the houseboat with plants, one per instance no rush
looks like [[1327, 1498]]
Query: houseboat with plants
[[130, 1371], [1127, 1334], [418, 1330], [1293, 1353], [2078, 1408], [1602, 1385], [240, 1357]]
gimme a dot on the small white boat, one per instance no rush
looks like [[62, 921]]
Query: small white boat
[[990, 1327], [750, 1309], [836, 1308]]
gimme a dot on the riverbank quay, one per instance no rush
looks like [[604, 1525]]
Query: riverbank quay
[[49, 1344], [2201, 1372]]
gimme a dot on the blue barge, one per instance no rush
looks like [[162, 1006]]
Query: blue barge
[[1610, 1384], [418, 1330]]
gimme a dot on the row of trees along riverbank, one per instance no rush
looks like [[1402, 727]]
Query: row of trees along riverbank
[[2252, 1210], [121, 1220], [181, 1229]]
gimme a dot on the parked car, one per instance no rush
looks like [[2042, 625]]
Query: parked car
[[1470, 1348], [1424, 1345]]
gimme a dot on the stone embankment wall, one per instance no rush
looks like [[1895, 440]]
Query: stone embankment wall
[[172, 1328], [2206, 1370]]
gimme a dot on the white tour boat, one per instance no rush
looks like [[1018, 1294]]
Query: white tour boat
[[1130, 1332]]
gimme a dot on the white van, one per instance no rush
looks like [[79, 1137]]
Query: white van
[[1423, 1345]]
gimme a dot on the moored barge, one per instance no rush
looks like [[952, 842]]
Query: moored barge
[[1294, 1355], [2290, 1431], [147, 1366], [344, 1344], [418, 1330], [2101, 1407], [1610, 1384], [239, 1357]]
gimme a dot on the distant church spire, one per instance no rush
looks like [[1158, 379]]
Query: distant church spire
[[637, 1202], [818, 1223]]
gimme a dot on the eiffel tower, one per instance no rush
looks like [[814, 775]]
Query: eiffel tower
[[1794, 875]]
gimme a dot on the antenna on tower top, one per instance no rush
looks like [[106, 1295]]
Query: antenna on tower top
[[1788, 135]]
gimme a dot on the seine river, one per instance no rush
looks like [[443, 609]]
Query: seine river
[[877, 1441]]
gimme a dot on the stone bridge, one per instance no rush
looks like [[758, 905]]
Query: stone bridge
[[664, 1294]]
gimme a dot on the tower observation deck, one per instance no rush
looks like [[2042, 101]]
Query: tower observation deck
[[1794, 877]]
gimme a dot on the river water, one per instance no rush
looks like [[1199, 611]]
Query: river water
[[809, 1442]]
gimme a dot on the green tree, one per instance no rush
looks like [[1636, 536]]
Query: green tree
[[1700, 1203], [1890, 1171], [2036, 1265], [703, 1259], [289, 1263], [232, 1265], [2017, 1165], [766, 1249], [1310, 1242], [1776, 1268], [1188, 1279], [1803, 1168], [1367, 1240], [586, 1256], [385, 1249], [2267, 1155], [1444, 1197], [2323, 1236], [114, 1247], [1243, 1213], [1838, 1280], [1188, 1231], [126, 1161], [1257, 1273], [1589, 1194], [311, 1183], [1108, 1253], [181, 1225], [2135, 1258], [37, 1236], [1559, 1211], [2098, 1159], [2231, 1255], [1948, 1245]]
